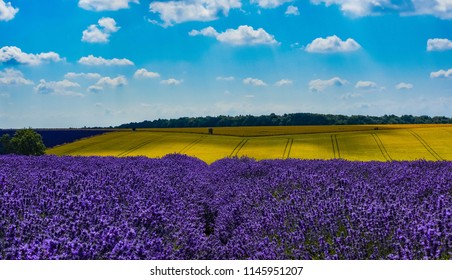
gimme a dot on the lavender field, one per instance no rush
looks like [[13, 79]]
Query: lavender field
[[179, 207]]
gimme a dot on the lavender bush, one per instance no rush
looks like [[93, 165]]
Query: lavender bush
[[179, 207]]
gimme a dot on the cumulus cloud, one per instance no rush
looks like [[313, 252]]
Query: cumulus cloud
[[171, 82], [174, 12], [283, 82], [254, 82], [228, 79], [365, 85], [112, 82], [320, 85], [145, 74], [243, 35], [268, 4], [72, 75], [64, 87], [100, 61], [13, 77], [7, 11], [438, 8], [441, 74], [362, 8], [14, 55], [355, 8], [403, 86], [439, 44], [105, 5], [292, 11], [208, 32], [332, 44], [100, 33], [104, 82]]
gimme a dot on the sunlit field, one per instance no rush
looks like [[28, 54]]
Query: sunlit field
[[360, 143], [179, 207]]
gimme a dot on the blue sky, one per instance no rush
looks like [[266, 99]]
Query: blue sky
[[73, 63]]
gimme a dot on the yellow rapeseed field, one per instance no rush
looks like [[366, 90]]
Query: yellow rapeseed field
[[359, 142]]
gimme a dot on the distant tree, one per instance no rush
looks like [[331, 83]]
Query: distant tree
[[27, 142], [5, 144]]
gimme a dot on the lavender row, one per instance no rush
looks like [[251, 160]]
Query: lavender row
[[179, 207]]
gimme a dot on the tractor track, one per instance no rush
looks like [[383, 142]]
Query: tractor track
[[381, 147]]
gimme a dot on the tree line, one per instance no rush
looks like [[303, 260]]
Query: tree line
[[286, 120]]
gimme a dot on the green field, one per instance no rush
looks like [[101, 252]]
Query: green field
[[358, 142]]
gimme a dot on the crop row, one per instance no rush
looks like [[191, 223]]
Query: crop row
[[178, 207]]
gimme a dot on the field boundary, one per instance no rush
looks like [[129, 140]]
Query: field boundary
[[141, 145], [193, 143], [426, 145], [287, 148], [238, 147], [381, 147]]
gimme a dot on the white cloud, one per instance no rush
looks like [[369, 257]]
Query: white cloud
[[63, 87], [171, 82], [254, 82], [94, 35], [228, 79], [366, 85], [332, 44], [243, 35], [103, 82], [441, 74], [72, 75], [95, 88], [112, 82], [13, 77], [360, 8], [7, 11], [292, 11], [403, 86], [101, 32], [97, 61], [174, 12], [105, 5], [145, 74], [439, 44], [354, 7], [14, 55], [320, 85], [438, 8], [208, 32], [283, 82], [268, 4], [108, 24]]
